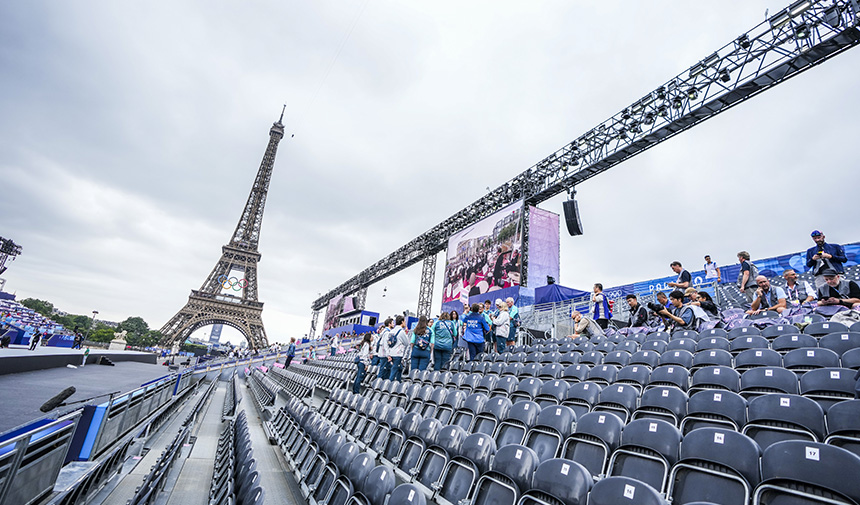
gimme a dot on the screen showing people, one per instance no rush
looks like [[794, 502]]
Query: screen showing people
[[486, 256]]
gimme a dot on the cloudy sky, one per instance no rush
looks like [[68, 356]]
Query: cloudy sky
[[130, 135]]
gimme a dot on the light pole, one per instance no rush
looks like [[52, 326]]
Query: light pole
[[93, 323]]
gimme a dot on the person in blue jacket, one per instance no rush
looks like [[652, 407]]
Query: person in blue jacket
[[476, 326], [822, 256]]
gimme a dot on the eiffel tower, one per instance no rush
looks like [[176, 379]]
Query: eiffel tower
[[229, 294]]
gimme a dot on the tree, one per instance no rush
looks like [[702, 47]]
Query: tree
[[135, 325], [41, 306], [102, 335]]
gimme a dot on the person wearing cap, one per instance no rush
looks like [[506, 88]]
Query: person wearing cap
[[767, 297], [838, 291], [823, 256]]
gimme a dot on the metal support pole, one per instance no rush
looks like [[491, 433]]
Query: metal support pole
[[315, 314], [425, 293]]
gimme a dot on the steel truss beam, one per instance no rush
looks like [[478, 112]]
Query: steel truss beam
[[804, 34], [425, 292]]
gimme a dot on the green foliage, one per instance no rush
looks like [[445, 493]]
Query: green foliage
[[102, 335], [135, 325], [41, 306], [507, 232]]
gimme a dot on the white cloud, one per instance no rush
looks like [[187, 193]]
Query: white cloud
[[131, 135]]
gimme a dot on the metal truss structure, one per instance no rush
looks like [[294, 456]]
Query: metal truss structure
[[804, 34], [8, 249], [217, 300]]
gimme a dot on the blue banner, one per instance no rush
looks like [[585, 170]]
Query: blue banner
[[769, 267]]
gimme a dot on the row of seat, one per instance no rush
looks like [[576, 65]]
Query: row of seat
[[448, 464], [328, 374], [154, 481], [263, 389], [231, 399], [198, 406], [291, 382], [825, 386], [332, 470], [235, 480]]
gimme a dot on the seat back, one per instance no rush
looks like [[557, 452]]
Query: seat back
[[563, 479], [805, 468], [774, 418], [615, 490]]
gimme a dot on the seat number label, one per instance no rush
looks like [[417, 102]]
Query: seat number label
[[719, 438], [629, 491], [812, 453], [565, 468]]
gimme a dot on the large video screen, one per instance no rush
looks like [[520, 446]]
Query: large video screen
[[338, 306], [485, 257]]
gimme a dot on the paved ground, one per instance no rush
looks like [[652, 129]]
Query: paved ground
[[22, 394]]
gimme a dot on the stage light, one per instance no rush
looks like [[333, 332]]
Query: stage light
[[662, 111], [801, 31], [648, 119], [725, 76], [622, 133], [625, 115], [634, 127], [833, 17], [798, 8], [661, 93], [692, 93], [677, 103], [779, 20], [743, 41]]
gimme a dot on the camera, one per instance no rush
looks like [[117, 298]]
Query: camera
[[655, 307]]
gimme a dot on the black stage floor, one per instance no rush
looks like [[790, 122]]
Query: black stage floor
[[21, 394], [20, 359]]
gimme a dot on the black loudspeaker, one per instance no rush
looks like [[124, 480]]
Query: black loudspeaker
[[571, 216]]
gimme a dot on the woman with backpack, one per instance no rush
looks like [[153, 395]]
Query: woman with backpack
[[362, 362], [421, 343], [444, 333], [397, 341]]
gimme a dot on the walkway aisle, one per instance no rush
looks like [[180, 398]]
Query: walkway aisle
[[124, 490], [281, 488], [195, 478]]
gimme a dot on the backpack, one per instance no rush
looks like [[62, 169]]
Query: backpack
[[421, 341], [392, 337]]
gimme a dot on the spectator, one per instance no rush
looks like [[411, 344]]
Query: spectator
[[712, 271], [662, 299], [444, 334], [514, 312], [707, 303], [312, 353], [797, 294], [691, 295], [584, 325], [684, 316], [421, 345], [638, 313], [475, 328], [381, 349], [489, 335], [747, 275], [838, 291], [684, 280], [335, 343], [397, 343], [502, 322], [767, 297], [823, 256], [602, 313], [291, 351], [87, 355], [362, 361]]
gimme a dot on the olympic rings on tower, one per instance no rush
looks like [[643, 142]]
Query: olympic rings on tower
[[232, 283]]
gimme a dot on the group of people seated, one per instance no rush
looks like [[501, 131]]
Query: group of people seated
[[690, 309]]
